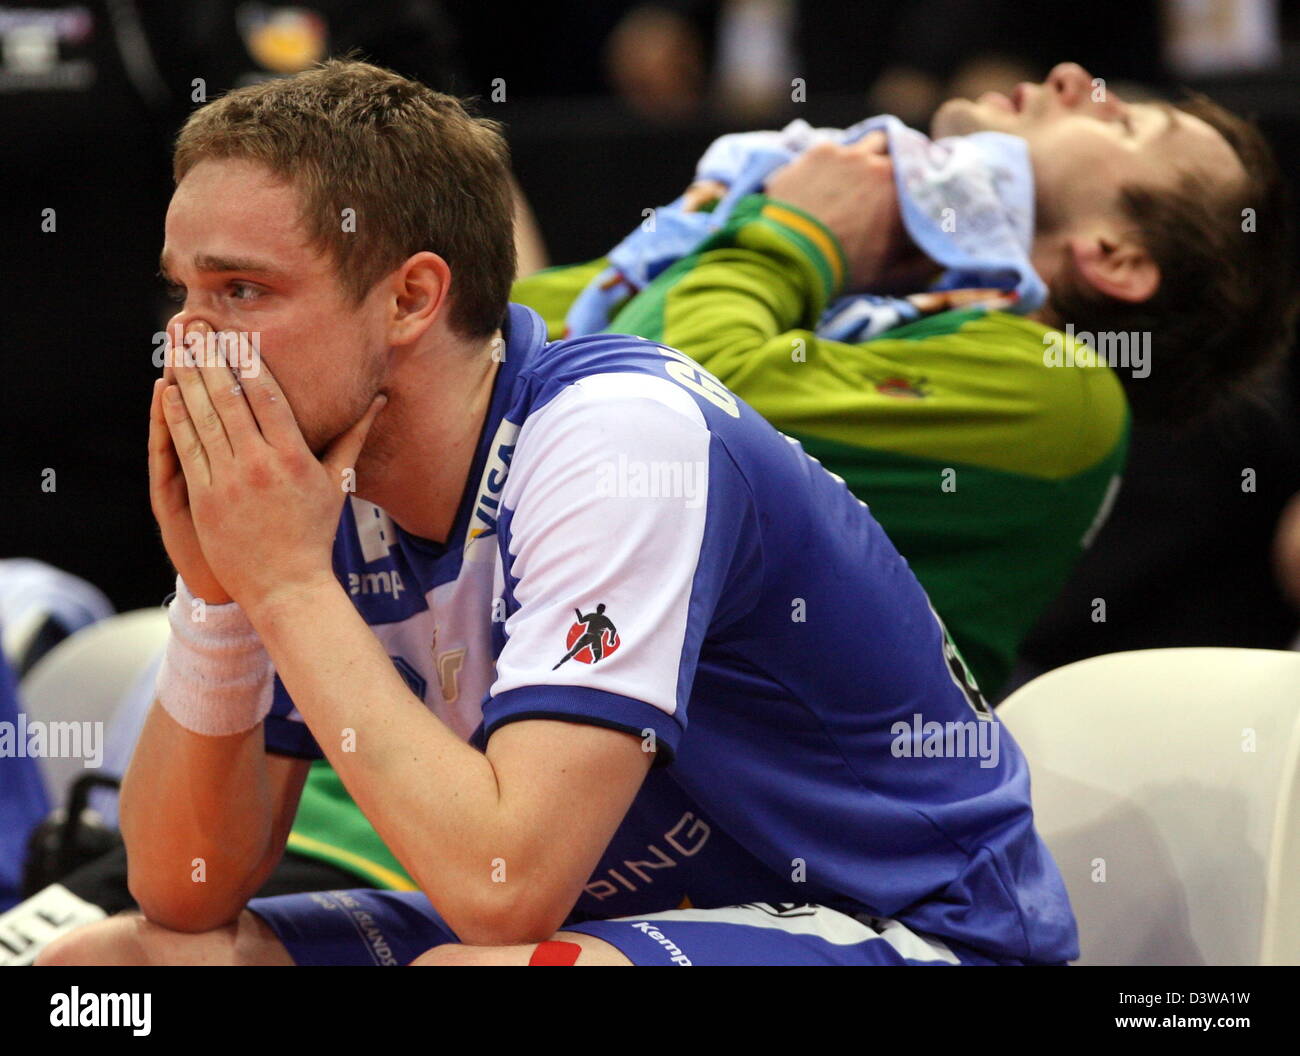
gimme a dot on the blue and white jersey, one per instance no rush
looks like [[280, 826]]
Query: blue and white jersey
[[640, 550]]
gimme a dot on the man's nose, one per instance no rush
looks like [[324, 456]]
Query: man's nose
[[1075, 87], [186, 319], [178, 326], [1070, 82]]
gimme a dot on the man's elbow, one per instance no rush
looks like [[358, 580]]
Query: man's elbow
[[185, 913], [184, 905], [507, 918]]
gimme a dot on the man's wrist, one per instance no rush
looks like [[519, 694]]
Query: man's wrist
[[293, 600], [208, 593], [813, 237], [811, 257], [209, 599], [216, 678]]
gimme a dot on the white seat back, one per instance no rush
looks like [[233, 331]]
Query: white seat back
[[1167, 784], [83, 678]]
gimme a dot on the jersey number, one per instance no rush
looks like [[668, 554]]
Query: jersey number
[[683, 371]]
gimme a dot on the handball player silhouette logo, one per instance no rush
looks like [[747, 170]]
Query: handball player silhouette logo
[[592, 638]]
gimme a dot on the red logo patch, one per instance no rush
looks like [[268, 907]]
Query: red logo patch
[[609, 644], [591, 639], [900, 388]]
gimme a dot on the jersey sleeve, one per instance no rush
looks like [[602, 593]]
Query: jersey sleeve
[[627, 532], [769, 272]]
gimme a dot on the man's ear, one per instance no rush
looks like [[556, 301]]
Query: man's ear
[[419, 296], [1115, 266]]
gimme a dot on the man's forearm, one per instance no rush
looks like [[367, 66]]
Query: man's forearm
[[199, 820], [434, 800]]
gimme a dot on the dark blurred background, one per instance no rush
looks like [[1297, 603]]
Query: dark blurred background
[[607, 106]]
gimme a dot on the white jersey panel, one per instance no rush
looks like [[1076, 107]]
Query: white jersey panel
[[607, 500]]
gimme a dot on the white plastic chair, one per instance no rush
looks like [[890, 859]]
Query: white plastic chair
[[36, 599], [1167, 784], [83, 678]]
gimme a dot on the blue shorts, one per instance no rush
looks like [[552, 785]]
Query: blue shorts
[[394, 927]]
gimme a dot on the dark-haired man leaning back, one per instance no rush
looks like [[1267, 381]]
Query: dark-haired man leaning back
[[987, 439]]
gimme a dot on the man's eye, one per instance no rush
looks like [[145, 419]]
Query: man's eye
[[244, 291], [175, 292]]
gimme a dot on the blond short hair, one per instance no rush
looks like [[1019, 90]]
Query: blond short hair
[[416, 169]]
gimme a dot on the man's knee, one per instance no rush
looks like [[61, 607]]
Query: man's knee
[[581, 948], [117, 940], [130, 939]]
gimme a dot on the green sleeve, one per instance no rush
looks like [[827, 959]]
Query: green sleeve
[[770, 270]]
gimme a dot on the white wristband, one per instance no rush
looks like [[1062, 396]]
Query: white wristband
[[216, 677]]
